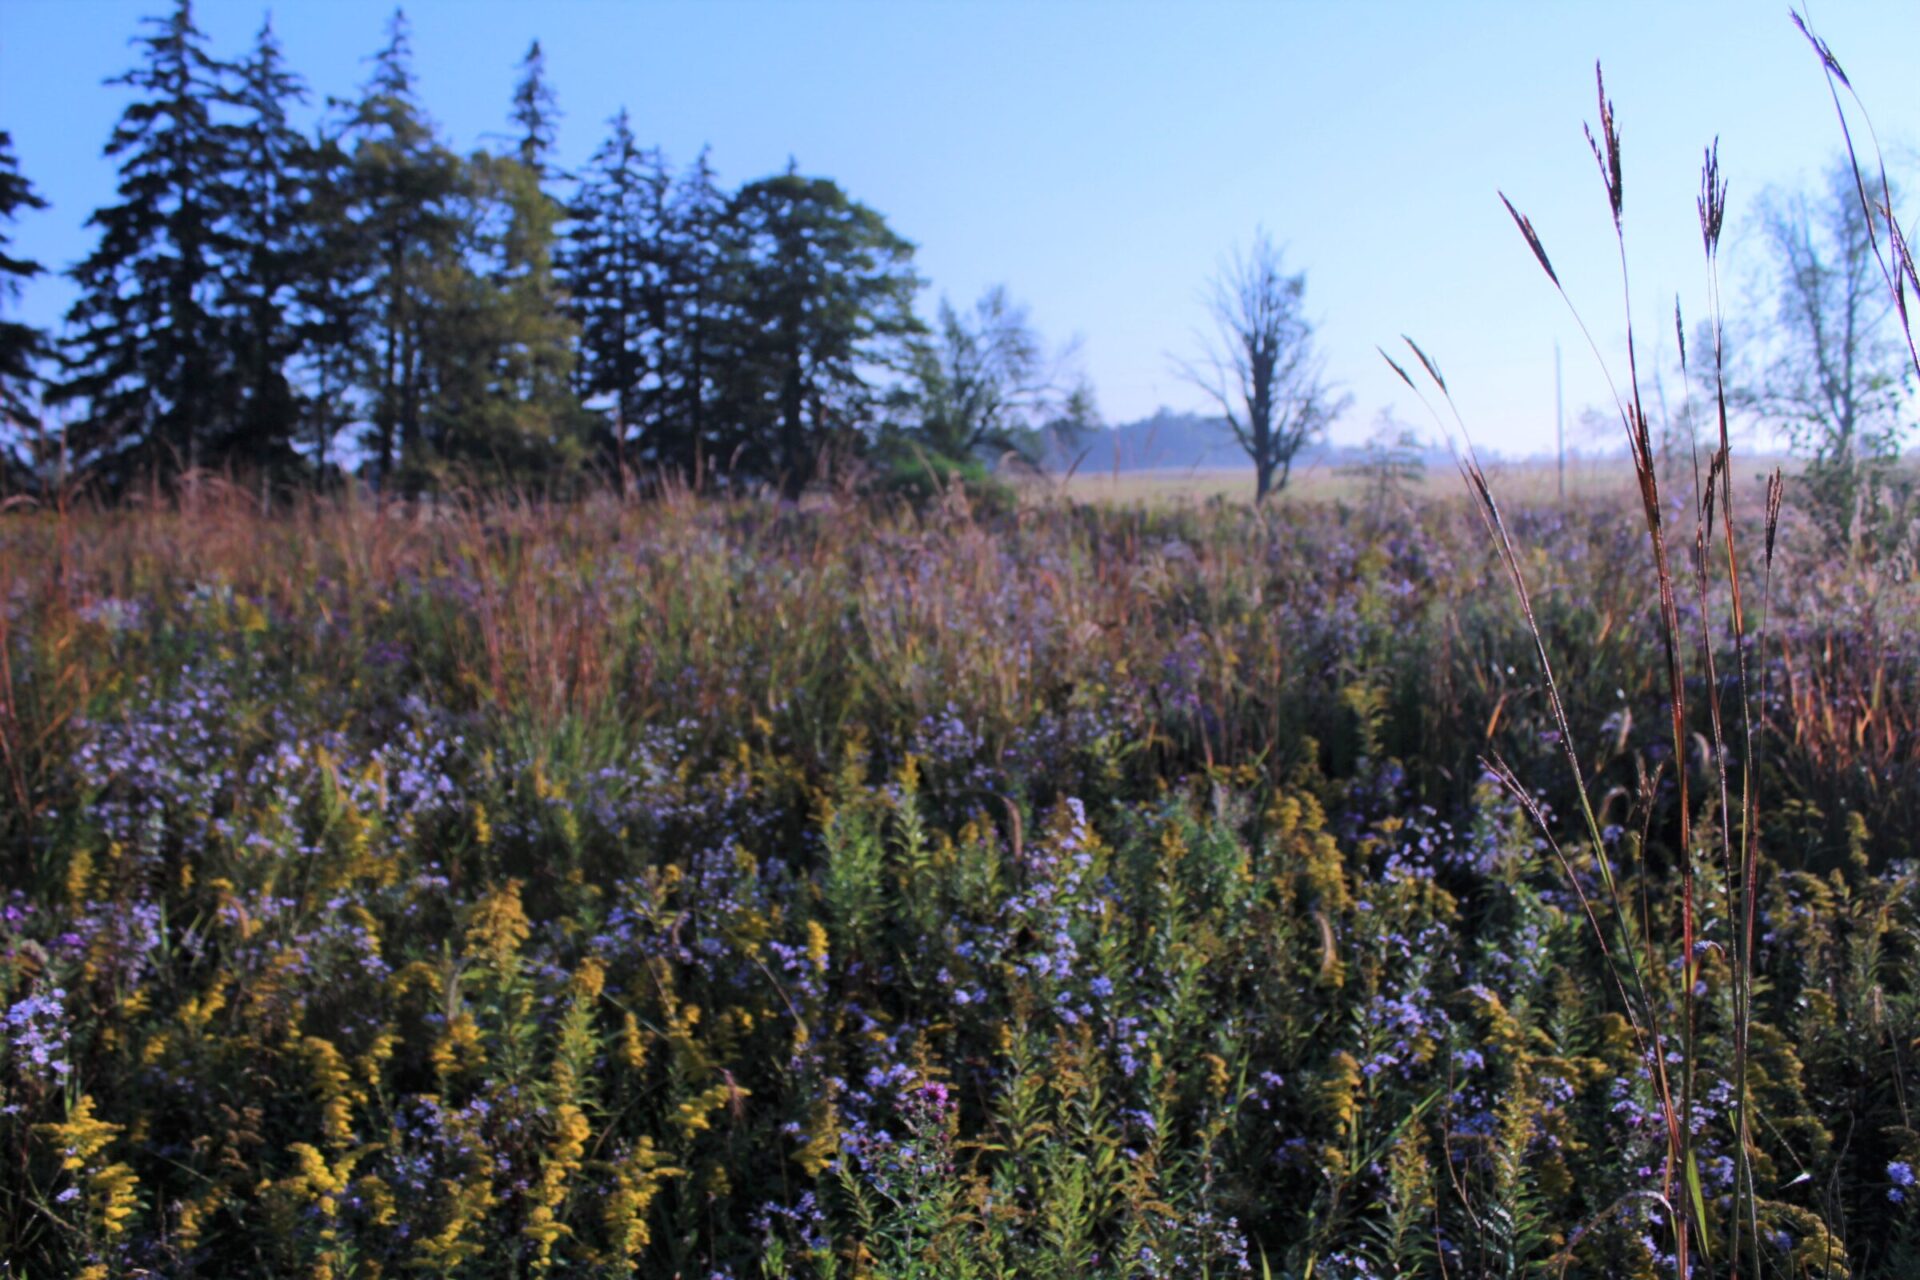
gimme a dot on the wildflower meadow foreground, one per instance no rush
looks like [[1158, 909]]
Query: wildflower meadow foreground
[[698, 888]]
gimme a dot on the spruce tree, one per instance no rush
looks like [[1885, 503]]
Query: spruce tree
[[406, 190], [499, 348], [503, 350], [22, 347], [701, 300], [148, 356], [824, 299], [536, 357], [333, 303], [270, 163], [615, 278], [536, 111]]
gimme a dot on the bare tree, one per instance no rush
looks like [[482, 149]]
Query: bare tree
[[984, 383], [1832, 370], [1259, 364]]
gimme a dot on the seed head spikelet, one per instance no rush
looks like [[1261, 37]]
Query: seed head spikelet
[[1433, 370], [1831, 63], [1713, 200], [1607, 156], [1395, 366], [1533, 237]]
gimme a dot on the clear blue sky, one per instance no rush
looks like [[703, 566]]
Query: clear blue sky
[[1100, 159]]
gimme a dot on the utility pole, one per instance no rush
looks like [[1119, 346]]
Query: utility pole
[[1560, 422]]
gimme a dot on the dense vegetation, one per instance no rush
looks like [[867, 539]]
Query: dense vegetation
[[530, 879], [699, 888], [274, 302]]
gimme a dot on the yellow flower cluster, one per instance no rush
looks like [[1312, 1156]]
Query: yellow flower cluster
[[111, 1188]]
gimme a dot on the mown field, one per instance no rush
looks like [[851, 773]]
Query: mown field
[[693, 889]]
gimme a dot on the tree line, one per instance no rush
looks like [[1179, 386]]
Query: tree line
[[294, 304]]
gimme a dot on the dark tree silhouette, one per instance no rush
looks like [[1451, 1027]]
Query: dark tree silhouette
[[22, 346], [1260, 366], [614, 270], [148, 356], [258, 288], [406, 187], [823, 303]]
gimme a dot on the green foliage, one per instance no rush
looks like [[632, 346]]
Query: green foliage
[[452, 896], [273, 167], [256, 293], [147, 354], [982, 391], [615, 264], [499, 351], [406, 190], [821, 294], [906, 471], [22, 347]]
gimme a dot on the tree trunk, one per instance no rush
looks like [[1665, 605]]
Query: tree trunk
[[794, 468], [384, 409]]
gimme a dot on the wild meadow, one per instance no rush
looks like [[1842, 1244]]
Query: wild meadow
[[667, 806], [721, 888]]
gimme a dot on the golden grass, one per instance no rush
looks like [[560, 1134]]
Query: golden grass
[[1526, 481]]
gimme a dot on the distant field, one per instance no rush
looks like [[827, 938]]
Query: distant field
[[1529, 481]]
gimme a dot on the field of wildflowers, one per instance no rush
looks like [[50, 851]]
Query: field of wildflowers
[[715, 889]]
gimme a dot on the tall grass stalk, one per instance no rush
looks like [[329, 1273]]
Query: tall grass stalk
[[1737, 838], [1895, 260]]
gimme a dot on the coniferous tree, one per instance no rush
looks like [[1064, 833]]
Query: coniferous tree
[[457, 337], [333, 300], [271, 161], [22, 347], [536, 111], [536, 353], [499, 349], [615, 274], [823, 303], [148, 357], [406, 189], [503, 349], [699, 304]]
